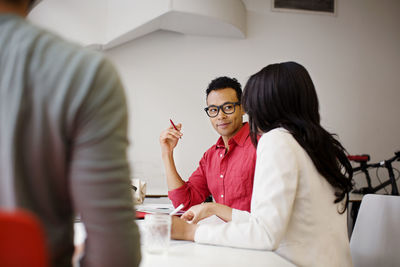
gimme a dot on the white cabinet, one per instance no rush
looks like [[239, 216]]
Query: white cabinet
[[108, 23]]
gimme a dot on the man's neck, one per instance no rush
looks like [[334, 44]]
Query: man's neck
[[226, 142], [226, 139], [20, 10]]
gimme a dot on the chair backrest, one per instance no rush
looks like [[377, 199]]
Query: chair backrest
[[22, 241], [375, 240]]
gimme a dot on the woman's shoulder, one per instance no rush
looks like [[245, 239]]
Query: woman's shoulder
[[279, 138], [276, 135]]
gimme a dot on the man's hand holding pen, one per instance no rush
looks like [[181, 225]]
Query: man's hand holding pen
[[169, 137]]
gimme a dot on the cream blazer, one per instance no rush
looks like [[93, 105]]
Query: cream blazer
[[292, 209]]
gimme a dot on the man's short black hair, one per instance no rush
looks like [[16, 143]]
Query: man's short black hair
[[225, 82]]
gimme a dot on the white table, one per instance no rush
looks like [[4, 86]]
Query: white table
[[189, 254]]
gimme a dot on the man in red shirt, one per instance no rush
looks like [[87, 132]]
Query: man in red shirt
[[226, 170]]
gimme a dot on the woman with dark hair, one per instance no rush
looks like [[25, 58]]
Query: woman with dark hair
[[301, 181]]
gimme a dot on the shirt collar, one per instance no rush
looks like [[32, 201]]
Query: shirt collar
[[239, 138]]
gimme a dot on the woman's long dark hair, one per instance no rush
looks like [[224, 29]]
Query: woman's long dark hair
[[283, 95]]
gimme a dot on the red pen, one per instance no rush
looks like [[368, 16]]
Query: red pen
[[173, 125]]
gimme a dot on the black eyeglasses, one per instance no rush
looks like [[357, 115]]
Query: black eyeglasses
[[227, 108]]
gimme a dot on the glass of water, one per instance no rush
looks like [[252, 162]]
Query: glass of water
[[157, 233]]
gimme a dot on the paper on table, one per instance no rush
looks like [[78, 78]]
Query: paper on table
[[157, 208]]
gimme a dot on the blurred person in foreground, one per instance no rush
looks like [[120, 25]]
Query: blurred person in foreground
[[63, 141]]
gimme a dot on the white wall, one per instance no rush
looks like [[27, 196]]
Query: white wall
[[79, 21], [352, 57]]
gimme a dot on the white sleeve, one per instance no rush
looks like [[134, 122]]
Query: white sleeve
[[274, 190]]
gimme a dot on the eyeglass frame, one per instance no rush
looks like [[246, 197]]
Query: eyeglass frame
[[220, 107]]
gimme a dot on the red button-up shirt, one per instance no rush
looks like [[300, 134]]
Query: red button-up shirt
[[227, 177]]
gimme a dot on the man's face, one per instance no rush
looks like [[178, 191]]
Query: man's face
[[227, 125]]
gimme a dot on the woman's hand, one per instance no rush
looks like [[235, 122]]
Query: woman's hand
[[197, 213]]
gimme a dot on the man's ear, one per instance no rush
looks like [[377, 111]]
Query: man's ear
[[242, 110]]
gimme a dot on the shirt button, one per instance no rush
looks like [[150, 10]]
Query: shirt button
[[222, 176], [222, 195], [220, 155]]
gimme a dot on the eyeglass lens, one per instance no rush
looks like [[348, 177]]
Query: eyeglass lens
[[227, 108]]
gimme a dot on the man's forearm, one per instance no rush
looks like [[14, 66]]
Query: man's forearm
[[174, 181]]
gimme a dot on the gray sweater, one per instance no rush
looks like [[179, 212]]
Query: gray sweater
[[63, 141]]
